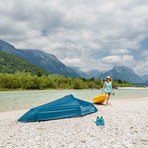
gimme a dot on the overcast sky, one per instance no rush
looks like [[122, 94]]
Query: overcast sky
[[89, 34]]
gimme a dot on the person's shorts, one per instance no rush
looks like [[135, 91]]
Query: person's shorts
[[108, 92]]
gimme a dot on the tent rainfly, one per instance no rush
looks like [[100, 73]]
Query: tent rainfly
[[68, 106]]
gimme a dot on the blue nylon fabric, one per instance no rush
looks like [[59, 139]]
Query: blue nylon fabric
[[68, 106]]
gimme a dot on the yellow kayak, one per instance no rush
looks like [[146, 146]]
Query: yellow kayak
[[99, 99]]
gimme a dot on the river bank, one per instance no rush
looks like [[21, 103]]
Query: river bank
[[126, 125]]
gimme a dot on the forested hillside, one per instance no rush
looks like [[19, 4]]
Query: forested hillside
[[10, 63]]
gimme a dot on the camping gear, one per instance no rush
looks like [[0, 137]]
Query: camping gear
[[99, 99], [68, 106]]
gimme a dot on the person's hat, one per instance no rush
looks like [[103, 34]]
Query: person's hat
[[108, 77]]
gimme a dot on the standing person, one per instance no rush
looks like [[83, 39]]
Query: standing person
[[107, 87]]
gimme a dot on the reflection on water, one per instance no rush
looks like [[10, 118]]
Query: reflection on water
[[26, 99]]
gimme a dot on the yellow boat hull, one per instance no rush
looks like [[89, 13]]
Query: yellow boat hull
[[99, 99]]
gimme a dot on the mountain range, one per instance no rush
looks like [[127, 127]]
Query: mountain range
[[117, 72], [79, 72], [53, 65], [123, 73], [37, 57], [95, 73], [144, 77], [146, 82]]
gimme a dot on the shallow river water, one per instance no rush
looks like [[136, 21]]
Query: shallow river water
[[15, 100]]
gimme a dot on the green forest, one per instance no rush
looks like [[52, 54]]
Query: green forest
[[10, 63], [25, 80]]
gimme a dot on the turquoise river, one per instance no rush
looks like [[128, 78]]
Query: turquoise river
[[17, 100]]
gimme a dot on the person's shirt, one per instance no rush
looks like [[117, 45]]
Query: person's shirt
[[108, 88]]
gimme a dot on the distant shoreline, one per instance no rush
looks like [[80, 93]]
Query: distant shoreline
[[132, 88], [11, 90]]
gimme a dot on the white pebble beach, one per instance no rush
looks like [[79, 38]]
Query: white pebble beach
[[126, 126]]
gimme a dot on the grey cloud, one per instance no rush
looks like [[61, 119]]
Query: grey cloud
[[75, 29]]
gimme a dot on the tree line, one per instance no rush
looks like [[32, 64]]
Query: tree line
[[25, 80]]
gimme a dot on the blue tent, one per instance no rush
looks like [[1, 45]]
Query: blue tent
[[68, 106]]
